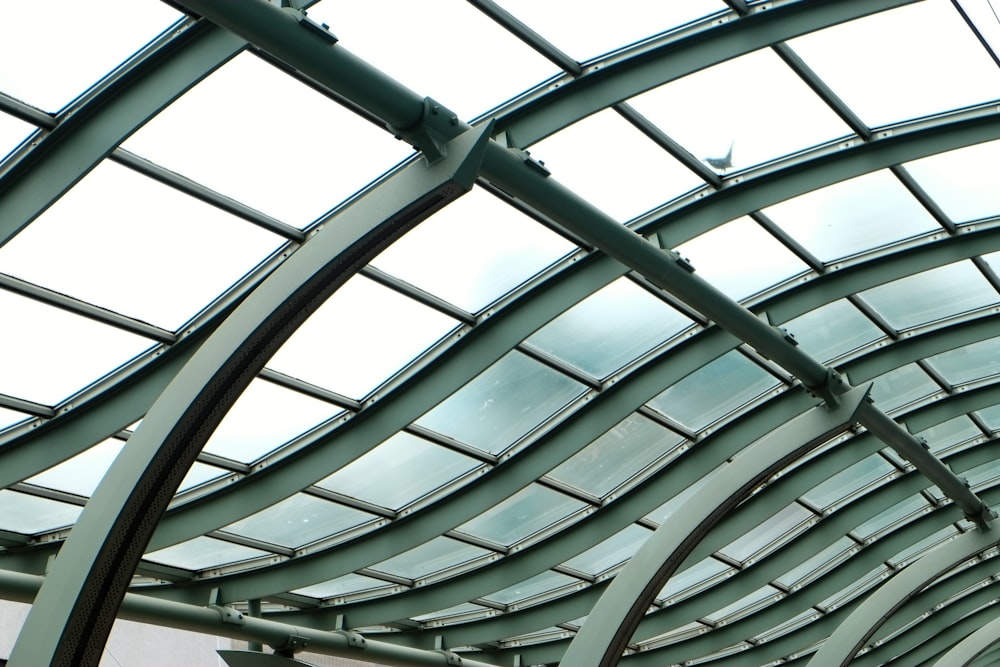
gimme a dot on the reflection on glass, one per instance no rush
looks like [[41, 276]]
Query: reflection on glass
[[399, 471], [203, 553], [852, 216], [902, 386], [629, 175], [969, 362], [603, 27], [610, 328], [523, 514], [61, 52], [617, 455], [35, 336], [613, 551], [473, 251], [932, 295], [264, 417], [506, 401], [960, 181], [82, 473], [832, 330], [770, 534], [731, 258], [27, 514], [439, 554], [714, 390], [299, 520], [842, 485], [697, 111], [537, 585], [362, 335], [889, 74], [125, 242], [256, 134], [349, 584]]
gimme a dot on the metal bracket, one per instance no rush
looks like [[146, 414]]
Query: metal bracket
[[228, 614], [354, 639], [450, 658], [681, 261], [293, 644], [430, 134], [832, 389], [321, 29], [535, 165]]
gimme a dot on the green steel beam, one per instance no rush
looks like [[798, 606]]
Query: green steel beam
[[974, 645], [852, 634], [615, 617], [73, 613], [53, 163]]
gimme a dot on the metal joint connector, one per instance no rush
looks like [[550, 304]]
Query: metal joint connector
[[354, 639], [430, 135], [228, 614], [831, 390]]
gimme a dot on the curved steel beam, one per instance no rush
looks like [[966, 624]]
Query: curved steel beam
[[73, 613], [973, 646], [852, 634], [603, 638]]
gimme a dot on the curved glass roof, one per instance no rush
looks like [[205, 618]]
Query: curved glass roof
[[661, 335]]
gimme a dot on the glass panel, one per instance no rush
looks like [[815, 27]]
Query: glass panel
[[832, 330], [902, 386], [872, 578], [348, 584], [616, 456], [11, 417], [697, 111], [399, 471], [299, 520], [736, 609], [62, 50], [199, 474], [506, 401], [991, 416], [950, 433], [693, 578], [983, 475], [932, 295], [117, 239], [889, 73], [842, 485], [528, 511], [203, 553], [852, 216], [610, 328], [439, 554], [714, 390], [907, 554], [613, 551], [770, 534], [12, 131], [35, 336], [307, 153], [601, 27], [814, 565], [82, 473], [968, 363], [888, 518], [960, 182], [264, 417], [731, 258], [452, 243], [626, 176], [537, 585], [30, 514], [463, 609], [492, 52], [355, 341], [662, 513]]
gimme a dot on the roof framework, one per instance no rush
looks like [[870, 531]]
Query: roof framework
[[611, 455]]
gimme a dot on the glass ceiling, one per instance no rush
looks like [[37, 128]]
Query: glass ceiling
[[488, 404]]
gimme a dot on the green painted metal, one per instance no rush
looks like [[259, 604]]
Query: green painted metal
[[974, 645], [852, 634], [612, 622], [88, 581]]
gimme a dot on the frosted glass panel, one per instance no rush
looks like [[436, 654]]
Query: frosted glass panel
[[542, 583], [824, 558], [27, 514], [506, 401], [613, 551], [399, 471], [203, 553], [698, 574], [357, 339], [769, 534], [714, 390], [617, 455], [521, 515], [12, 132], [931, 295], [473, 251], [890, 516], [901, 386], [951, 432], [740, 258], [843, 484], [970, 362], [961, 181], [610, 328], [82, 473], [832, 330], [439, 554], [852, 216], [299, 520], [345, 585], [697, 111], [10, 417]]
